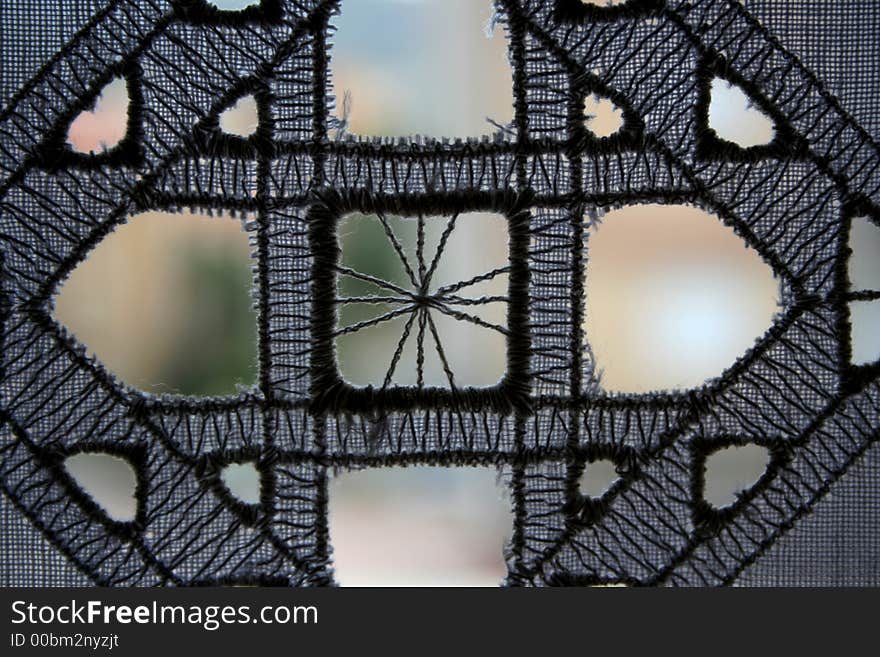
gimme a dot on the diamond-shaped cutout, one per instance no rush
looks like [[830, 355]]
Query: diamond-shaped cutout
[[591, 11], [673, 297], [229, 12], [736, 122], [234, 5], [864, 278], [603, 117], [232, 128], [238, 480], [864, 319], [242, 118], [165, 304], [732, 470], [601, 475], [242, 480]]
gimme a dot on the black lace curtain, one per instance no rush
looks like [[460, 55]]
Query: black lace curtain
[[812, 518]]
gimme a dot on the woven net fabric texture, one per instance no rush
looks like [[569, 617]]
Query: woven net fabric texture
[[811, 518]]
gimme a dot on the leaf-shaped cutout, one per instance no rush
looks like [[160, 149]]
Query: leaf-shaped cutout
[[242, 480], [108, 480], [864, 264], [106, 124], [242, 118], [419, 526], [403, 79], [673, 298], [734, 117], [603, 117], [165, 303], [730, 471], [598, 477], [864, 319], [380, 314]]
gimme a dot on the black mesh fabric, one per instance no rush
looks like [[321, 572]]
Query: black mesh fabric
[[831, 39], [810, 519]]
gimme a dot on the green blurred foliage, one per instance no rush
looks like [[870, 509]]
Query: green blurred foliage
[[367, 249], [216, 349]]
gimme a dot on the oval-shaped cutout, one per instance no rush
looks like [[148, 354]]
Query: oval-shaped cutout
[[732, 470], [242, 480], [165, 303], [864, 264], [734, 118], [242, 118], [597, 478], [108, 480], [602, 117], [105, 125], [673, 298]]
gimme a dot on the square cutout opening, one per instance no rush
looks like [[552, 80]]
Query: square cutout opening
[[409, 306], [434, 67], [419, 526]]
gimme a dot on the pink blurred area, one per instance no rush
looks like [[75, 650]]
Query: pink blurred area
[[105, 126], [419, 526]]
